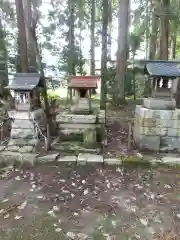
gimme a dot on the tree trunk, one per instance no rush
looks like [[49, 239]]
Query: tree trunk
[[104, 55], [173, 46], [71, 39], [109, 30], [153, 36], [27, 4], [92, 50], [22, 36], [123, 26], [164, 30], [3, 64]]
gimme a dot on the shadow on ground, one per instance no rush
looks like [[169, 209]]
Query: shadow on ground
[[89, 202]]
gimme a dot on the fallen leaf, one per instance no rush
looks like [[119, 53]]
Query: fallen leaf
[[56, 208], [18, 217], [178, 215], [58, 229], [23, 205], [17, 178], [86, 191], [5, 200], [6, 216], [71, 235], [82, 236], [51, 213], [143, 222], [83, 181]]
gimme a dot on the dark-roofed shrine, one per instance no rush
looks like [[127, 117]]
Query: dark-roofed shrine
[[28, 116], [157, 124]]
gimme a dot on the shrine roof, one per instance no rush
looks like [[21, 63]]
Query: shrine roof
[[25, 81], [162, 69], [88, 82]]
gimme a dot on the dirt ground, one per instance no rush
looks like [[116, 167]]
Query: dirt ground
[[92, 202]]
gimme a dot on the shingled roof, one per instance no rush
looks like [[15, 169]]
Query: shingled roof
[[25, 81], [88, 82], [162, 69]]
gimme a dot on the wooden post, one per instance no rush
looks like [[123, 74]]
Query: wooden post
[[90, 106]]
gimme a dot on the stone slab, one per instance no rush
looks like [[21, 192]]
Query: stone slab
[[67, 159], [171, 160], [156, 104], [160, 131], [151, 143], [20, 157], [86, 157], [73, 118], [77, 126], [173, 132], [48, 158], [157, 114], [170, 144], [112, 161]]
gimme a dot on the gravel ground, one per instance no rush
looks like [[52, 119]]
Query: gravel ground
[[89, 202]]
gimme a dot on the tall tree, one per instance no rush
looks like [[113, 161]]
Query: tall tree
[[164, 30], [22, 36], [104, 54], [123, 26], [92, 50]]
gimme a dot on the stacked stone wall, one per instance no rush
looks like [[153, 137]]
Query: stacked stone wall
[[157, 130]]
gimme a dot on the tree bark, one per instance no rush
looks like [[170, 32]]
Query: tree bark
[[92, 50], [104, 55], [153, 36], [164, 30], [71, 39], [27, 4], [123, 26], [22, 36]]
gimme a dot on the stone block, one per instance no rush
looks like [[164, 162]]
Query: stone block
[[173, 132], [176, 114], [72, 118], [26, 149], [90, 138], [160, 131], [112, 161], [87, 157], [79, 126], [171, 160], [101, 116], [156, 104], [170, 144], [67, 159], [151, 143], [48, 158], [157, 114]]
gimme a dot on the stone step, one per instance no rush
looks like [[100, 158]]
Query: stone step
[[17, 156], [73, 147]]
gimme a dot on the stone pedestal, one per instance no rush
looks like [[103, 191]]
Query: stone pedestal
[[157, 129], [24, 130], [81, 106]]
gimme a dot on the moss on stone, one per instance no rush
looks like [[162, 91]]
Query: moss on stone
[[89, 138]]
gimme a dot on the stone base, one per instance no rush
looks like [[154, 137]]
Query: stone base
[[156, 104], [157, 130], [87, 127], [24, 130]]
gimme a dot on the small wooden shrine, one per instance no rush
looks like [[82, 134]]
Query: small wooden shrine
[[161, 75], [26, 87], [83, 86]]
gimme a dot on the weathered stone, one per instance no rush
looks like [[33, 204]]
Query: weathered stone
[[101, 116], [20, 157], [13, 148], [112, 161], [157, 114], [72, 118], [90, 157], [173, 132], [81, 159], [171, 160], [48, 158], [26, 149], [170, 144], [151, 143], [67, 159], [80, 126], [89, 138], [162, 104], [2, 147], [153, 131]]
